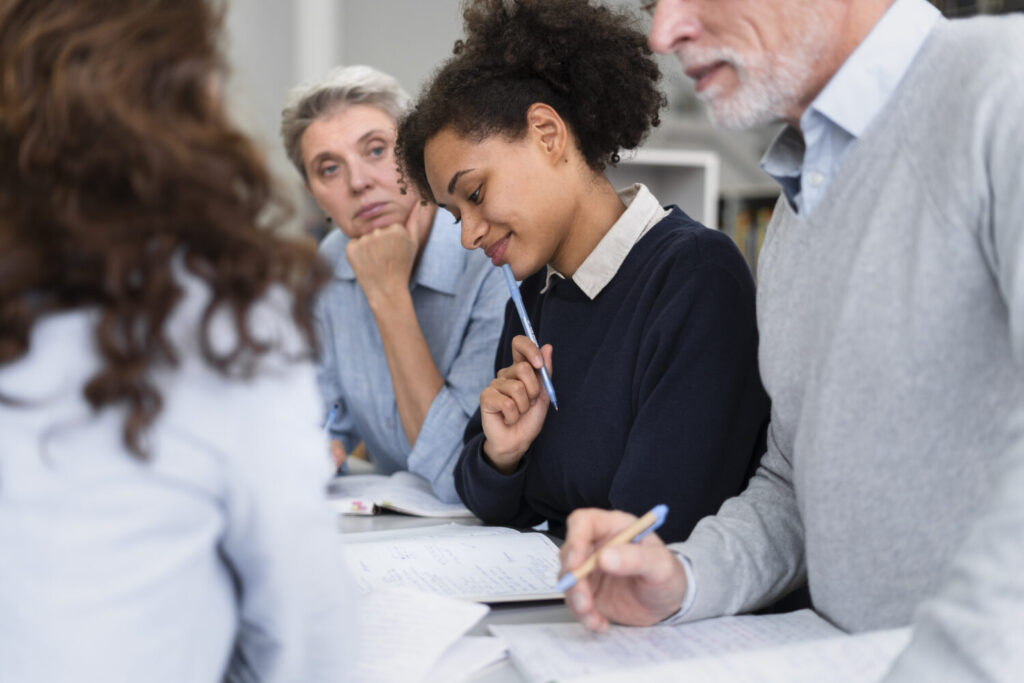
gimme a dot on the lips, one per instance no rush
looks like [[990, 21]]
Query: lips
[[496, 251], [701, 74], [370, 210]]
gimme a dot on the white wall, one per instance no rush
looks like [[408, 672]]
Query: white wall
[[275, 44]]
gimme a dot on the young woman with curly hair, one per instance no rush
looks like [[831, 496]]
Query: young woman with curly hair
[[649, 315], [161, 469]]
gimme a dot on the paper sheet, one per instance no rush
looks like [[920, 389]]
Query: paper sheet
[[543, 652], [862, 658], [487, 568], [434, 531], [465, 657], [418, 627]]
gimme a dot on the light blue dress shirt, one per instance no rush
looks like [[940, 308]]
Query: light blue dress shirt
[[459, 299], [804, 165], [219, 555]]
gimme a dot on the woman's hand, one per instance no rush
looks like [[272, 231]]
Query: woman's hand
[[637, 584], [383, 259], [338, 453], [514, 405]]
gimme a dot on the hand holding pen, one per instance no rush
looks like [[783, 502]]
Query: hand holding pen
[[514, 405], [637, 584]]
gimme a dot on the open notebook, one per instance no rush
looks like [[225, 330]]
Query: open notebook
[[367, 494], [482, 564], [742, 648]]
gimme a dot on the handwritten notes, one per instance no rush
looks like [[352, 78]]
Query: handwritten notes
[[484, 567]]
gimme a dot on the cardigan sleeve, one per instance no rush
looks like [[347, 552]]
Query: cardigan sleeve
[[494, 497], [700, 407]]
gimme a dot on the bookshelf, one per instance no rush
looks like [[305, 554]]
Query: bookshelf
[[687, 178]]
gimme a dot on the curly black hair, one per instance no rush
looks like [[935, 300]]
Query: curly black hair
[[588, 62]]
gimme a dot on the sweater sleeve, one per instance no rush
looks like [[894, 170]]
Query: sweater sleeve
[[971, 629], [700, 408], [494, 497]]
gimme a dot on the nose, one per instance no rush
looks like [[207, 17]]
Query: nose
[[473, 230], [359, 177], [674, 23]]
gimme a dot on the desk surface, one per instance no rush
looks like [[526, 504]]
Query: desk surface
[[507, 613]]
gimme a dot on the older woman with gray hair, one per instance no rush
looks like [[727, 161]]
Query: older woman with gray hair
[[409, 323]]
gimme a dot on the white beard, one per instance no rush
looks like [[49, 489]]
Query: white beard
[[769, 85]]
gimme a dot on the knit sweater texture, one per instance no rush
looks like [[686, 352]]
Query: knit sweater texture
[[659, 395]]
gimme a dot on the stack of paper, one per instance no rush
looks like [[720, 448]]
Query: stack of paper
[[564, 652], [418, 637], [862, 658]]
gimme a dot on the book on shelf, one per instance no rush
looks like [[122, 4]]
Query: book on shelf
[[745, 219], [405, 492]]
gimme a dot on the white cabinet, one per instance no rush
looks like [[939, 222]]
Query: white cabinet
[[687, 178]]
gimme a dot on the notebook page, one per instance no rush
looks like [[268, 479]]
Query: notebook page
[[420, 626], [486, 568], [543, 652], [863, 658]]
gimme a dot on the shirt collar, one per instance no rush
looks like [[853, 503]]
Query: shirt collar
[[440, 266], [860, 88], [598, 269], [870, 75]]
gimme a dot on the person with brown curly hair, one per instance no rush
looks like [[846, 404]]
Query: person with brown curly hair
[[161, 467], [648, 314]]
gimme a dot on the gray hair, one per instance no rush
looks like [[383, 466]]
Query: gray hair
[[342, 87]]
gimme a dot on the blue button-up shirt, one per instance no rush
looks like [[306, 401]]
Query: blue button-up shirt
[[804, 165], [459, 299]]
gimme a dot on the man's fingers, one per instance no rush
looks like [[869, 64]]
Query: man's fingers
[[586, 530], [649, 561]]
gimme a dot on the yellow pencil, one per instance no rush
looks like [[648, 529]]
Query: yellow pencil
[[634, 532]]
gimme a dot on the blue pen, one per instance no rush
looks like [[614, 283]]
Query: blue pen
[[513, 291], [634, 532]]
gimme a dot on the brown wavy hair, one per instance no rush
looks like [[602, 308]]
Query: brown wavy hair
[[117, 159], [589, 62]]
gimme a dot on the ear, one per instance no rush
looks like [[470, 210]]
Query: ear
[[548, 129]]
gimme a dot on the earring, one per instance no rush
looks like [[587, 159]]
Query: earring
[[327, 219]]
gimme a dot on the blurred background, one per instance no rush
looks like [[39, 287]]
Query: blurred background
[[275, 44]]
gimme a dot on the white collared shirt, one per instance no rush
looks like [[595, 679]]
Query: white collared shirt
[[642, 213], [848, 104]]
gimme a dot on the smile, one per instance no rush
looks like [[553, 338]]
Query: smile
[[496, 251]]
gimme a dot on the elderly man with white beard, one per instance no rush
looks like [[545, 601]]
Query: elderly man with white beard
[[891, 314]]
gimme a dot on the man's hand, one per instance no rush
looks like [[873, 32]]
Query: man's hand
[[637, 584]]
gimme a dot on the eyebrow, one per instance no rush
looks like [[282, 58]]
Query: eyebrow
[[455, 179]]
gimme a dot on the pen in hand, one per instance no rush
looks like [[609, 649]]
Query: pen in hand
[[634, 532], [517, 300]]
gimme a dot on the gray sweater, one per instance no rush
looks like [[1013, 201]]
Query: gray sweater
[[892, 346]]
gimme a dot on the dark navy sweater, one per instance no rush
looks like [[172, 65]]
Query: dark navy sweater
[[659, 396]]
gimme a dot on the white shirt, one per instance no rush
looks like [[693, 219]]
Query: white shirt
[[113, 569], [642, 213], [804, 165]]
